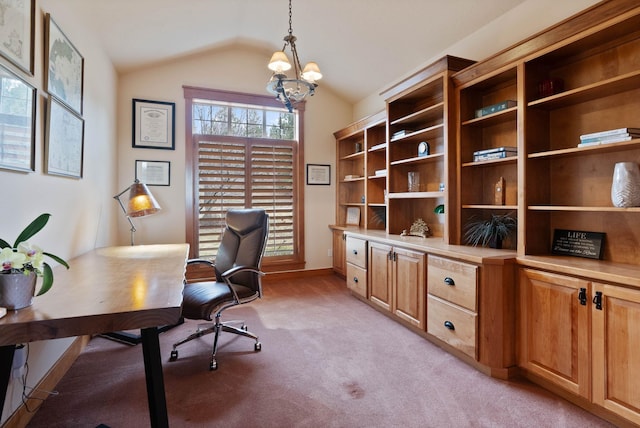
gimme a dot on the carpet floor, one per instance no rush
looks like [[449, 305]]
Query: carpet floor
[[327, 360]]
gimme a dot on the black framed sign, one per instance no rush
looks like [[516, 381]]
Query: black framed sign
[[154, 124], [578, 243], [153, 173], [318, 174]]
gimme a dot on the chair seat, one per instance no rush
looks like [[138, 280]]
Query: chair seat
[[201, 299]]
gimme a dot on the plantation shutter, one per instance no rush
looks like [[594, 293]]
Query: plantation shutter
[[245, 173]]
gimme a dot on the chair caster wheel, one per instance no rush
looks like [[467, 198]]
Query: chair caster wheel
[[213, 365], [257, 347], [174, 355], [244, 327]]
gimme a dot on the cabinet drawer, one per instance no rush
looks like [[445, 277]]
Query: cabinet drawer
[[357, 251], [452, 324], [453, 281], [357, 279]]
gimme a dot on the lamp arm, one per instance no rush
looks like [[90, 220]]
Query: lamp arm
[[124, 210]]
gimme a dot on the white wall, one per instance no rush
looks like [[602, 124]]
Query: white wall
[[235, 68], [519, 23], [83, 212]]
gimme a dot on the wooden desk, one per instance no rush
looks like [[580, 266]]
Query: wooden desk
[[107, 289]]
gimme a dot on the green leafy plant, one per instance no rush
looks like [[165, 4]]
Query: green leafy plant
[[23, 257], [490, 232]]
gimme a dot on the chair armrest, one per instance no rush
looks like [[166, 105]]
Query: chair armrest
[[237, 269], [211, 264]]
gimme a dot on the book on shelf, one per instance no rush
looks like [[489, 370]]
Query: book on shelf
[[492, 156], [351, 177], [381, 172], [494, 108], [496, 150], [610, 132], [378, 146], [401, 133], [608, 140]]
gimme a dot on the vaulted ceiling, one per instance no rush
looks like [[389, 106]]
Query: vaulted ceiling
[[360, 45]]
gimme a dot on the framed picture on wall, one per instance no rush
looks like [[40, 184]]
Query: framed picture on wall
[[154, 124], [64, 141], [318, 174], [17, 123], [16, 33], [153, 173], [64, 67]]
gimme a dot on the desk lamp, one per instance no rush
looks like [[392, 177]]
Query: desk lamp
[[141, 203]]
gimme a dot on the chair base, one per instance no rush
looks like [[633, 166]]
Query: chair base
[[217, 328]]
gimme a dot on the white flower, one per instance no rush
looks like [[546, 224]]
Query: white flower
[[33, 254], [11, 260]]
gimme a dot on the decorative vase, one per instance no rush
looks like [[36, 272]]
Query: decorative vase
[[16, 290], [625, 188]]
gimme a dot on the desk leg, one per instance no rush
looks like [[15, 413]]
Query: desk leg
[[6, 362], [155, 379]]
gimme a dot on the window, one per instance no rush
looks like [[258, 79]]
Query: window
[[244, 151]]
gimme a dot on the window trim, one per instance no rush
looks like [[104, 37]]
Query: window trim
[[276, 264]]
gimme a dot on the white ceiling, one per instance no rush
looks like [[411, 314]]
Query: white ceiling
[[360, 45]]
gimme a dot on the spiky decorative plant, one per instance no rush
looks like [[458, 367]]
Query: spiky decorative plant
[[23, 257], [494, 230]]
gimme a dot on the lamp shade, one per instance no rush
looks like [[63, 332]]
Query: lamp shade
[[311, 72], [279, 62], [141, 201]]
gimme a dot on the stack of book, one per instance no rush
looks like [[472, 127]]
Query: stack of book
[[609, 136], [484, 111], [401, 133], [495, 153]]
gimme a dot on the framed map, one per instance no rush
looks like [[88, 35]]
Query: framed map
[[64, 140], [64, 67], [16, 32], [17, 123]]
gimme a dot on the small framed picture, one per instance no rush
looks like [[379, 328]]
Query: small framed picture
[[353, 216], [153, 173], [64, 67], [17, 123], [318, 174], [64, 140], [154, 124], [16, 33]]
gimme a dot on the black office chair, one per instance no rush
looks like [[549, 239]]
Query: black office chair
[[238, 278]]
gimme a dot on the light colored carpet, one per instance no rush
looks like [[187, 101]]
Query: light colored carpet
[[327, 360]]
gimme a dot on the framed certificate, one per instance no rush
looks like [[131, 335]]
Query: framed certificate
[[154, 124], [318, 174], [153, 173]]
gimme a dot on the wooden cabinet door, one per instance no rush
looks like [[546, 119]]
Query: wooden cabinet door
[[409, 286], [379, 274], [339, 259], [616, 346], [555, 329]]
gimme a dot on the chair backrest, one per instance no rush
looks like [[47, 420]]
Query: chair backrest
[[243, 243]]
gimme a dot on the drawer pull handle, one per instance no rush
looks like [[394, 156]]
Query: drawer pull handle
[[449, 325], [597, 300], [449, 281], [582, 296], [355, 279]]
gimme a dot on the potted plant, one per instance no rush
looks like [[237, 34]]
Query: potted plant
[[490, 232], [20, 265]]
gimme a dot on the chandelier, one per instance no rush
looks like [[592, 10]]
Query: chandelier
[[290, 91]]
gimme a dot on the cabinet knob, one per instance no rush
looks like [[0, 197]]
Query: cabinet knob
[[355, 251], [449, 325], [449, 281], [355, 279]]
